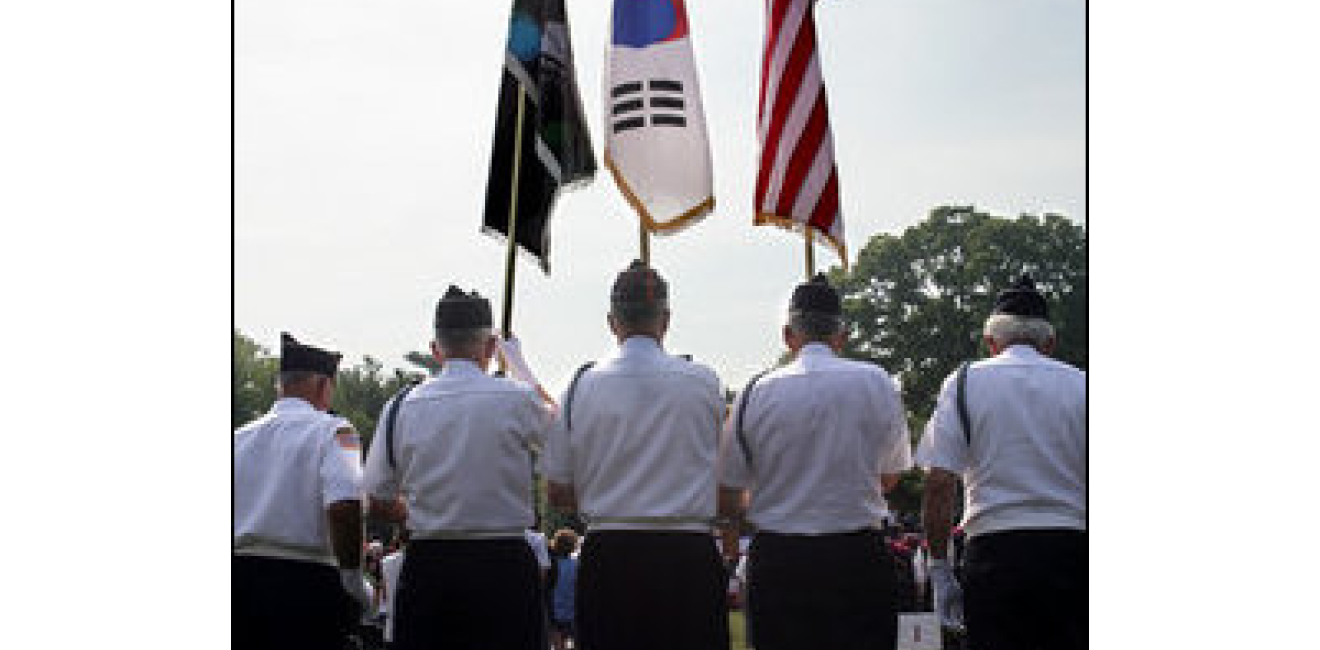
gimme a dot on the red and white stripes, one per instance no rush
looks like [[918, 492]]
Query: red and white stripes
[[797, 183]]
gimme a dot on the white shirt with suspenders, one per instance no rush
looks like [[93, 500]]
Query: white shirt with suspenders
[[288, 466], [637, 438], [461, 452], [1024, 460], [816, 436]]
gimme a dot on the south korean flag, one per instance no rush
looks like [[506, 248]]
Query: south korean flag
[[655, 129]]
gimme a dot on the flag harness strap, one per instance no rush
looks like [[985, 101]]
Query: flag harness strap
[[390, 419], [742, 410], [572, 388], [963, 416]]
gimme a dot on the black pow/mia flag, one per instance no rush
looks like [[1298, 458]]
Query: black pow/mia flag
[[555, 148]]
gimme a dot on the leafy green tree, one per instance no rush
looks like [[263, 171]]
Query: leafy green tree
[[253, 377], [916, 302], [423, 360]]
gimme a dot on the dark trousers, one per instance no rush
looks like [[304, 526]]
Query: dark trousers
[[638, 590], [474, 594], [822, 591], [1027, 590], [286, 604]]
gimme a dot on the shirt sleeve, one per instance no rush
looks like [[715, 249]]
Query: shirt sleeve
[[897, 457], [734, 471], [341, 465], [557, 461], [942, 445], [379, 479]]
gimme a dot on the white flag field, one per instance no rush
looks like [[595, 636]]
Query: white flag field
[[655, 129]]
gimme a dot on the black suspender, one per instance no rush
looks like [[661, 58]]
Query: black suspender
[[742, 410], [572, 388], [391, 417], [963, 416]]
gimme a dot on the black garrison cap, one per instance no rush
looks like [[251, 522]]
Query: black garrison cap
[[462, 311], [639, 289], [295, 356], [1022, 299], [817, 297]]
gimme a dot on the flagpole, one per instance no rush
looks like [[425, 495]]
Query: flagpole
[[811, 255], [507, 324], [646, 244]]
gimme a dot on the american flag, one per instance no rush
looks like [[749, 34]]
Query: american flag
[[797, 184]]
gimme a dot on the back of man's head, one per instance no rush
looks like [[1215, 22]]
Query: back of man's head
[[306, 371], [1020, 316], [639, 302], [815, 312], [462, 324]]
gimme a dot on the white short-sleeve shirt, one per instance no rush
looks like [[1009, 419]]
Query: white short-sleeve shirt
[[1026, 467], [289, 465], [645, 433], [820, 432], [464, 444]]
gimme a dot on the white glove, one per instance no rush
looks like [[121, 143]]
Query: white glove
[[511, 351], [356, 585], [948, 593]]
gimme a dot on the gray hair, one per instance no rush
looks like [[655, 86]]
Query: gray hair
[[293, 377], [464, 343], [815, 326], [1007, 329]]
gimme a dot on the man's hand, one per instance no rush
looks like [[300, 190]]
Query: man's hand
[[356, 586], [510, 350], [948, 593], [561, 496], [393, 511]]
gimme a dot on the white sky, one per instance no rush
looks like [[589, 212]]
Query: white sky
[[363, 131]]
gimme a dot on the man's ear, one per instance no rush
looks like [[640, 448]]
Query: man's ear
[[838, 340], [437, 353], [990, 344], [1048, 348]]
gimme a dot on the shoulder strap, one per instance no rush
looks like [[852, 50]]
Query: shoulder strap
[[963, 416], [572, 388], [391, 417], [742, 409]]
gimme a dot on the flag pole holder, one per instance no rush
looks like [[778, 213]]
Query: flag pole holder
[[506, 325], [645, 243], [811, 254]]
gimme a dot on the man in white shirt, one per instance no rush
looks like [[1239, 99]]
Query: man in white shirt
[[298, 514], [1022, 458], [461, 453], [634, 450], [815, 442]]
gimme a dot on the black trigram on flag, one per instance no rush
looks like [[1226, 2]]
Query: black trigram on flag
[[661, 100]]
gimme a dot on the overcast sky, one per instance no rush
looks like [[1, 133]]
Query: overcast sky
[[363, 132]]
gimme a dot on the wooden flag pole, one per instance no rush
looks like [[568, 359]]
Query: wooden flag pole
[[811, 256], [507, 322], [646, 244]]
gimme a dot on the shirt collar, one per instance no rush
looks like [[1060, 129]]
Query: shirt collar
[[816, 349], [638, 346], [292, 404], [460, 368], [1021, 351]]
